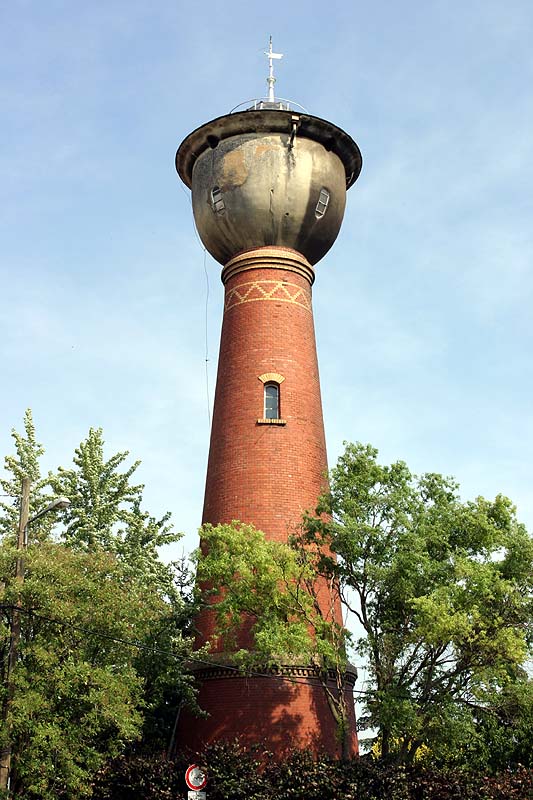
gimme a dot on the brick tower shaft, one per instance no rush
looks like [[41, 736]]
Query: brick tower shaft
[[266, 471]]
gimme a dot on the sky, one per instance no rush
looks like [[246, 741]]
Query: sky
[[423, 306]]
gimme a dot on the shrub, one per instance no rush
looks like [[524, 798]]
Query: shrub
[[238, 773]]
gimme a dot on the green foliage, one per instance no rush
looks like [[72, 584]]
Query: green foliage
[[24, 464], [263, 580], [441, 588], [236, 773], [105, 513], [504, 727], [140, 777], [442, 591], [104, 624], [101, 496], [232, 771], [289, 618], [77, 696]]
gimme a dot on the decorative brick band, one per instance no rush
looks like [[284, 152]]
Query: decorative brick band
[[217, 671], [278, 291], [271, 257]]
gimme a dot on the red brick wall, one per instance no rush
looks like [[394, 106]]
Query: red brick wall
[[266, 475], [281, 714]]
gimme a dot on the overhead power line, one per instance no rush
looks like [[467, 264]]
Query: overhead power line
[[161, 651]]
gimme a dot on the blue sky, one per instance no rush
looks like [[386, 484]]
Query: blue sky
[[423, 306]]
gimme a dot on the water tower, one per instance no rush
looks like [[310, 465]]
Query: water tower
[[268, 193]]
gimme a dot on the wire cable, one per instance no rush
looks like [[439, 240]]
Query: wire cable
[[161, 651], [207, 339], [188, 196]]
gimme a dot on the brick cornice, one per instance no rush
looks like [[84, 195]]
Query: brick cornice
[[297, 671], [272, 258]]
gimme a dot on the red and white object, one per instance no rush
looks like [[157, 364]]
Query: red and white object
[[195, 778]]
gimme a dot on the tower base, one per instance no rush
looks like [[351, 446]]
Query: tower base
[[281, 709]]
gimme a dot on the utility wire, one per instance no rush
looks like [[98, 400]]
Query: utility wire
[[207, 339], [188, 196], [161, 651]]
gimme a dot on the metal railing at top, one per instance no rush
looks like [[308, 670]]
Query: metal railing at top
[[264, 104]]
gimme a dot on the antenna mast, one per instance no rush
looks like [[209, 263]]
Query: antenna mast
[[271, 79]]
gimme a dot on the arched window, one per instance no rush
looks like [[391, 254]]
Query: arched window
[[272, 401]]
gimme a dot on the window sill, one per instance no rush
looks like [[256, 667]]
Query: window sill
[[271, 421]]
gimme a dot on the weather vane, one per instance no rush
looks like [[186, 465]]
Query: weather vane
[[271, 79]]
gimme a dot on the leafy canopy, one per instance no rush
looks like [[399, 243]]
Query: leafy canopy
[[441, 591], [271, 607], [104, 638]]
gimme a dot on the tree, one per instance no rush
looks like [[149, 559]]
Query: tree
[[24, 464], [441, 590], [104, 634], [504, 728], [105, 514], [272, 588], [78, 698]]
